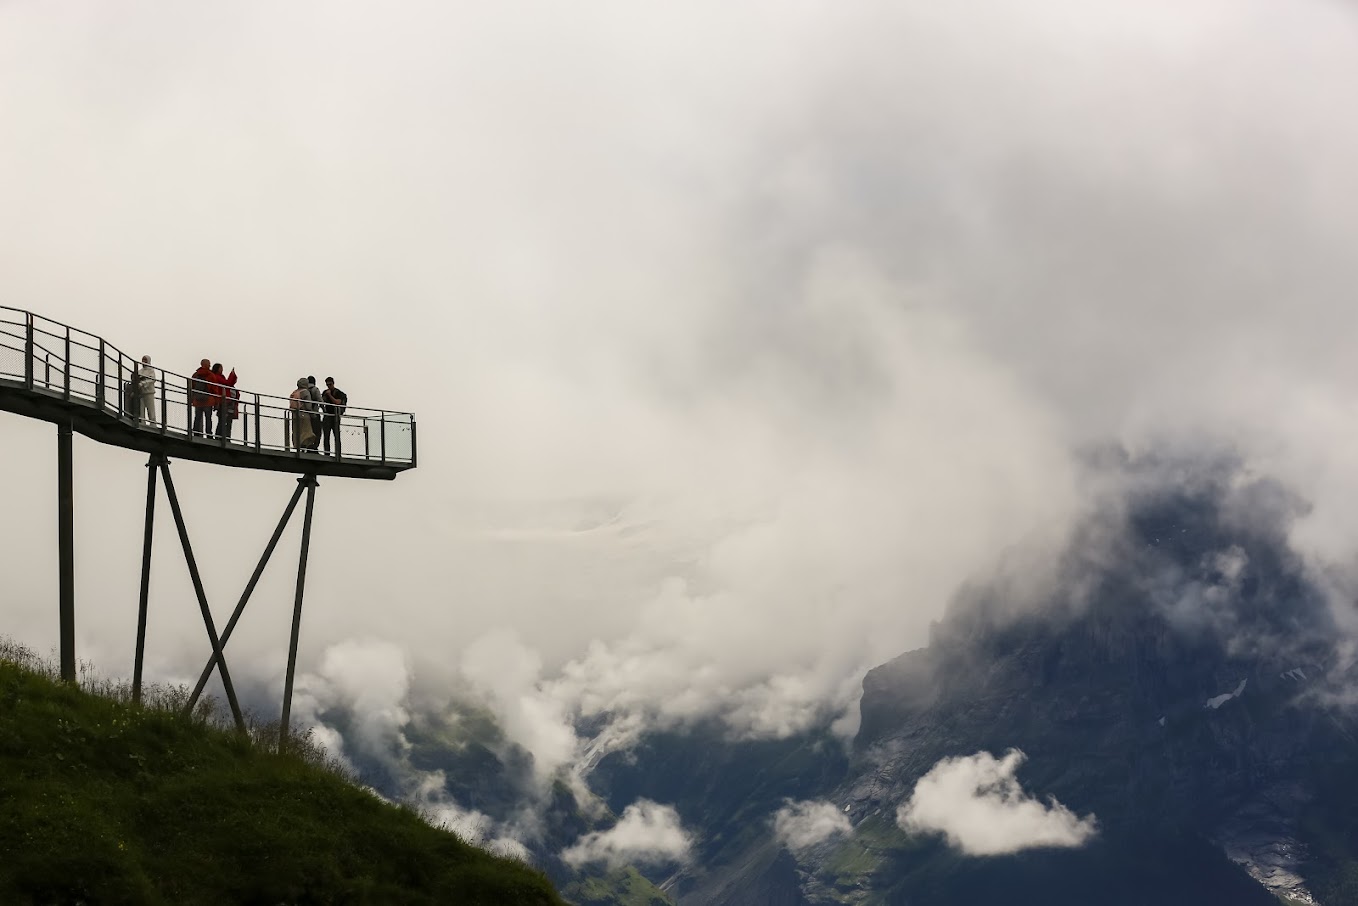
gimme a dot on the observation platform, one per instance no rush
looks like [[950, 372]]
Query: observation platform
[[54, 372]]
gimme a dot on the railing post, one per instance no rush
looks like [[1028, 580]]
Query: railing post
[[66, 389], [383, 437], [257, 441], [412, 441], [122, 397], [28, 350], [100, 394], [164, 405], [367, 452]]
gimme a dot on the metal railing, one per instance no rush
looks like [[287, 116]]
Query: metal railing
[[57, 360]]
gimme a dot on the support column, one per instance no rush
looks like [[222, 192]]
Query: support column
[[152, 465], [202, 597], [66, 546], [310, 482]]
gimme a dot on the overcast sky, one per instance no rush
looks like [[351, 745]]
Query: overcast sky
[[738, 334]]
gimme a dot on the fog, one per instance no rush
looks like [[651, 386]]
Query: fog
[[739, 335]]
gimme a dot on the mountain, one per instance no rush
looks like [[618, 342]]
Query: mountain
[[1166, 717], [1176, 684]]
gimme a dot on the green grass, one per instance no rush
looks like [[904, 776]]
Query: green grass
[[856, 858], [620, 887], [102, 801]]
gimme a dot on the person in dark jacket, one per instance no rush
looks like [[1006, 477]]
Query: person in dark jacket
[[227, 401], [334, 401], [203, 398], [315, 409]]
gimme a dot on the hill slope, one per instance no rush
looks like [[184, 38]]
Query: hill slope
[[106, 802]]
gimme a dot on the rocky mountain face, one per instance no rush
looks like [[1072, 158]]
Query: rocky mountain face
[[1177, 684]]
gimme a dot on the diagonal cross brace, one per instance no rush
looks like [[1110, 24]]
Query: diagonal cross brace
[[159, 464], [249, 589], [202, 597]]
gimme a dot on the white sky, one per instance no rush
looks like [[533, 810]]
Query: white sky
[[738, 333]]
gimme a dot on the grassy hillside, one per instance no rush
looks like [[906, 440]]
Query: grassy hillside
[[620, 887], [105, 802]]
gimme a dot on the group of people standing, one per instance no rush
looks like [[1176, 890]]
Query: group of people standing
[[314, 413], [212, 391]]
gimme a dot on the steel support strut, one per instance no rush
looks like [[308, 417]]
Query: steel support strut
[[66, 547], [309, 482], [202, 597], [249, 590], [151, 471]]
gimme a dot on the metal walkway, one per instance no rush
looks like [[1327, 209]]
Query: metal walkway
[[54, 372], [78, 381]]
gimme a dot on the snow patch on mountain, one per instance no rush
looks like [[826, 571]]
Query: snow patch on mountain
[[1218, 700]]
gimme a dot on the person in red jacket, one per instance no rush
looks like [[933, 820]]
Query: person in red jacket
[[227, 401], [204, 398]]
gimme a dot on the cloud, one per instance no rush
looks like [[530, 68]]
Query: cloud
[[359, 708], [748, 354], [978, 805], [510, 848], [370, 680], [647, 833], [663, 442], [801, 825], [508, 673], [470, 825]]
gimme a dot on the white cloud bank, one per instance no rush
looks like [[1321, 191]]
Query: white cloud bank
[[369, 683], [745, 353], [977, 803], [648, 833], [801, 825], [470, 825], [370, 679]]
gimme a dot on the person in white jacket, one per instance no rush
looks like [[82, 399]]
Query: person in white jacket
[[146, 391]]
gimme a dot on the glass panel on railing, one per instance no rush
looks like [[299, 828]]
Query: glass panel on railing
[[400, 440], [379, 432], [13, 337]]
